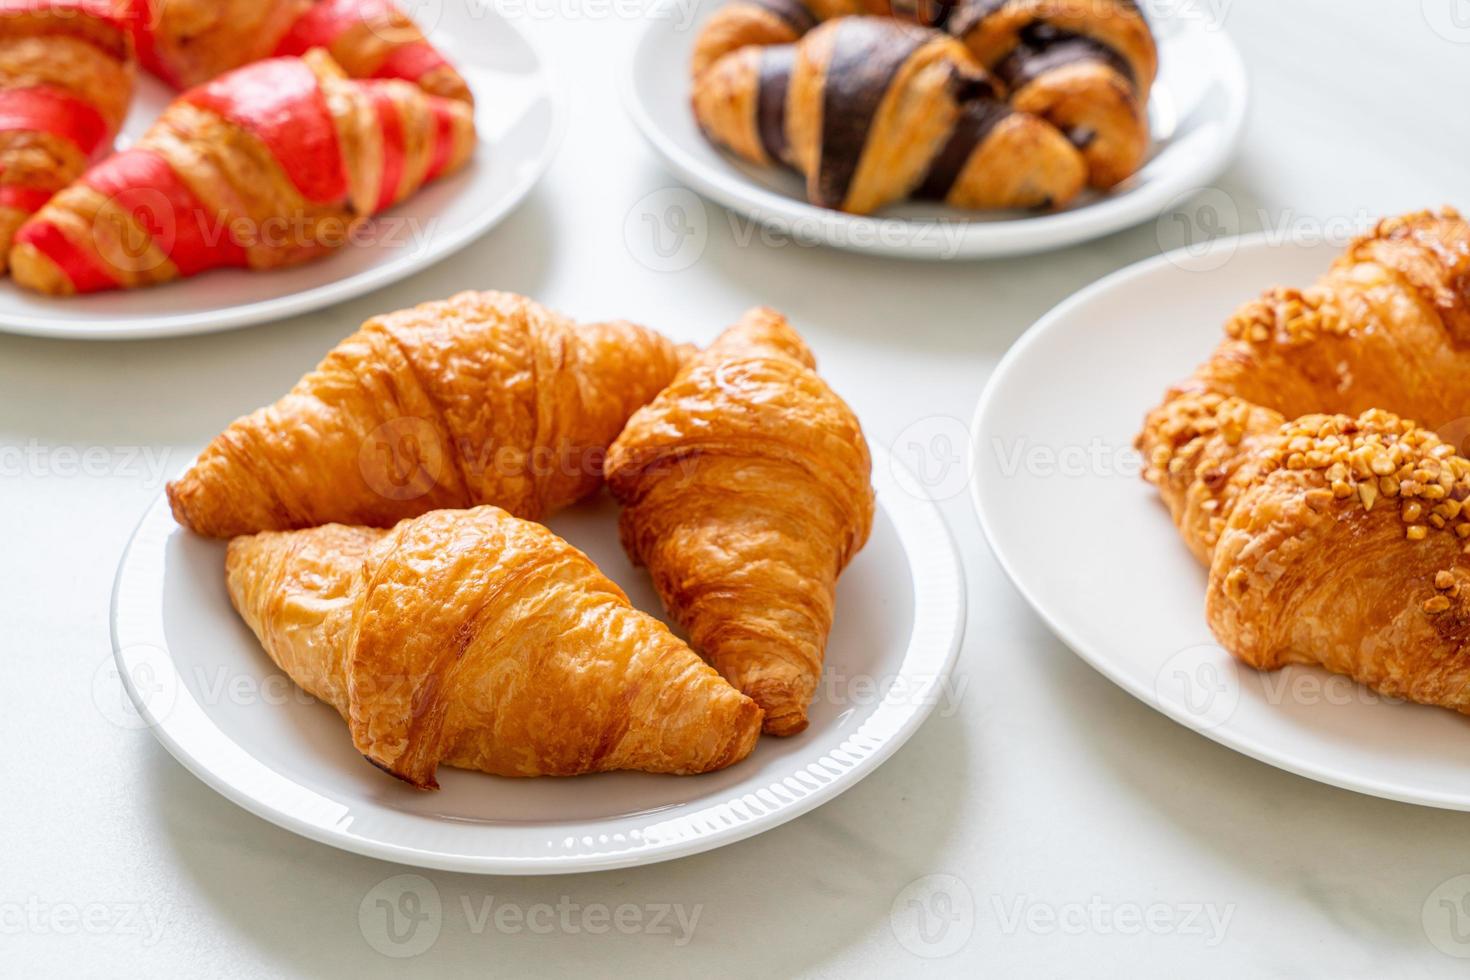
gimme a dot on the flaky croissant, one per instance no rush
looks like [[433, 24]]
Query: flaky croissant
[[273, 164], [1387, 327], [188, 42], [480, 641], [872, 111], [1041, 78], [66, 77], [745, 488], [482, 398], [1335, 533]]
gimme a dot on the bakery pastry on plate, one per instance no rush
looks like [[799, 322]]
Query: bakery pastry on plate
[[480, 641], [188, 42], [484, 398], [981, 104], [1335, 531], [746, 491], [270, 165], [66, 77]]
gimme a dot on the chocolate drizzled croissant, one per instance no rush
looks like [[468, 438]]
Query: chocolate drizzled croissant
[[872, 110], [1084, 66]]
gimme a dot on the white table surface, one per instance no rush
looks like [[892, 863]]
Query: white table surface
[[1065, 810]]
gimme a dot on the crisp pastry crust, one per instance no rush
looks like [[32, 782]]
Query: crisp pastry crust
[[745, 488], [66, 77], [189, 42], [1033, 99], [480, 641], [484, 398], [270, 165], [1337, 539], [872, 111]]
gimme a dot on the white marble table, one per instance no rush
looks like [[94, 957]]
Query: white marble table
[[1093, 836]]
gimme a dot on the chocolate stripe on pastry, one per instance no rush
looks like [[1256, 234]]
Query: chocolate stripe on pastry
[[772, 83], [793, 12], [975, 123], [969, 14], [1044, 48], [930, 13], [866, 55]]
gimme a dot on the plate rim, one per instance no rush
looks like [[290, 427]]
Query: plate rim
[[254, 313], [942, 576], [1225, 734], [980, 239]]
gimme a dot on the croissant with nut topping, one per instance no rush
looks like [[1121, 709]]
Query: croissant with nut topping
[[270, 165], [1336, 531], [745, 488], [484, 398], [480, 641], [1387, 327]]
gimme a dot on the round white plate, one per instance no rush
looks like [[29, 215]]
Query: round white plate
[[1093, 550], [199, 678], [1196, 112], [519, 125]]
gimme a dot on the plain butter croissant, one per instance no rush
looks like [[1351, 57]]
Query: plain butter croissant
[[746, 491], [480, 641], [485, 398]]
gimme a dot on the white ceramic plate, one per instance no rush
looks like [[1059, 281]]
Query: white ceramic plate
[[1196, 112], [519, 124], [1092, 549], [198, 677]]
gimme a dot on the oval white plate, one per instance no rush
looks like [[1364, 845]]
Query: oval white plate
[[519, 124], [199, 678], [1092, 549], [1196, 112]]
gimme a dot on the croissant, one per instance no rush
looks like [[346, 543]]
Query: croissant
[[66, 76], [189, 42], [480, 641], [1085, 67], [1388, 327], [271, 165], [872, 111], [482, 398], [1335, 532], [745, 488]]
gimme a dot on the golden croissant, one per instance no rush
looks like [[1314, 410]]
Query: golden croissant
[[1336, 535], [480, 641], [485, 398], [746, 490], [1387, 327]]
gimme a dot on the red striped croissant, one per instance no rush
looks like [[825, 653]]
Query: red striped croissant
[[66, 76], [188, 42], [270, 165]]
